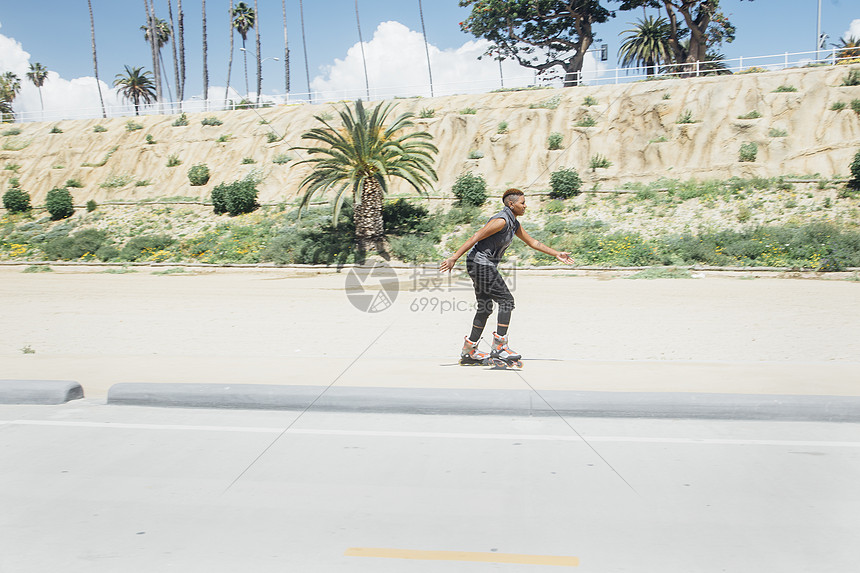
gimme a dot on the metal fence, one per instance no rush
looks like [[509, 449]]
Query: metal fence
[[592, 77]]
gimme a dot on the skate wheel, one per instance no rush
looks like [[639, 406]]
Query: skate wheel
[[518, 364]]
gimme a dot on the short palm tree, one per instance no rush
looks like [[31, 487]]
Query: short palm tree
[[38, 74], [359, 157], [244, 18], [848, 48], [137, 86], [647, 44], [10, 85], [162, 36]]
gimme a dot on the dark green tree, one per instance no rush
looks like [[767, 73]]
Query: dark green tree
[[137, 86], [539, 34], [646, 44]]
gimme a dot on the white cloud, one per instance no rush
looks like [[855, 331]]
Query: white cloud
[[397, 65], [62, 97], [853, 30]]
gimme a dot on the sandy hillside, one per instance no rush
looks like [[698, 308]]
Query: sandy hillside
[[632, 122]]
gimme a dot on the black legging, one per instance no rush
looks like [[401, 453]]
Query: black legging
[[489, 287]]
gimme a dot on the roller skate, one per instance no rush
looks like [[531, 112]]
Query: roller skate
[[501, 355], [470, 355]]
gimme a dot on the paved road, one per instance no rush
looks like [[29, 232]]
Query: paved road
[[89, 487]]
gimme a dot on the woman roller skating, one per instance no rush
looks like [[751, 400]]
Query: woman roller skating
[[486, 248]]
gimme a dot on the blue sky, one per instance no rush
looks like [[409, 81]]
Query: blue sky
[[56, 34]]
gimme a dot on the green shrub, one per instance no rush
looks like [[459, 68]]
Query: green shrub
[[554, 206], [785, 89], [86, 241], [12, 131], [117, 181], [223, 138], [855, 106], [181, 121], [14, 182], [774, 132], [589, 101], [748, 152], [131, 125], [554, 141], [16, 201], [56, 129], [104, 159], [142, 183], [142, 247], [59, 203], [427, 112], [685, 117], [235, 198], [551, 103], [476, 154], [74, 183], [173, 161], [12, 167], [838, 106], [565, 183], [586, 121], [99, 128], [212, 121], [503, 127], [248, 161], [149, 139], [272, 137], [401, 217], [854, 168], [468, 111], [414, 248], [754, 114], [281, 158], [315, 240], [470, 189], [198, 174], [16, 144], [853, 78], [92, 205], [599, 162]]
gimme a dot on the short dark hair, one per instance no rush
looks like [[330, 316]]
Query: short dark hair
[[510, 196]]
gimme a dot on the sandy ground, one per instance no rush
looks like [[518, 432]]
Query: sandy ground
[[283, 326]]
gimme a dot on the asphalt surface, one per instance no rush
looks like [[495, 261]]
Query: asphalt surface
[[89, 487]]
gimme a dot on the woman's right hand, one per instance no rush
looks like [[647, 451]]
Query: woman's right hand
[[447, 265]]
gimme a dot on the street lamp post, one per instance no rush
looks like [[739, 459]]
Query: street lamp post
[[248, 95]]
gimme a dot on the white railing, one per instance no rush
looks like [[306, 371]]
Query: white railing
[[585, 78]]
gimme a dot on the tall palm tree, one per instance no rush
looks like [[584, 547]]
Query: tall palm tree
[[259, 56], [358, 158], [38, 74], [361, 44], [162, 36], [205, 59], [427, 49], [173, 46], [137, 86], [230, 61], [646, 44], [848, 48], [153, 45], [95, 59], [180, 37], [286, 51], [244, 18], [305, 47], [10, 85]]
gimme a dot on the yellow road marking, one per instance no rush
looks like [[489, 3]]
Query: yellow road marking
[[484, 557]]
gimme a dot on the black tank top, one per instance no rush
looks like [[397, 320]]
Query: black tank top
[[489, 250]]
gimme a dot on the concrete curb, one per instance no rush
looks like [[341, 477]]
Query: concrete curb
[[491, 402], [39, 391]]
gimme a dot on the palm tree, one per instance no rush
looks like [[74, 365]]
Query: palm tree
[[244, 18], [848, 48], [361, 44], [162, 36], [180, 36], [205, 58], [153, 44], [647, 44], [95, 59], [305, 47], [230, 61], [286, 52], [427, 49], [38, 74], [259, 56], [359, 157], [173, 46], [136, 86], [10, 85]]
